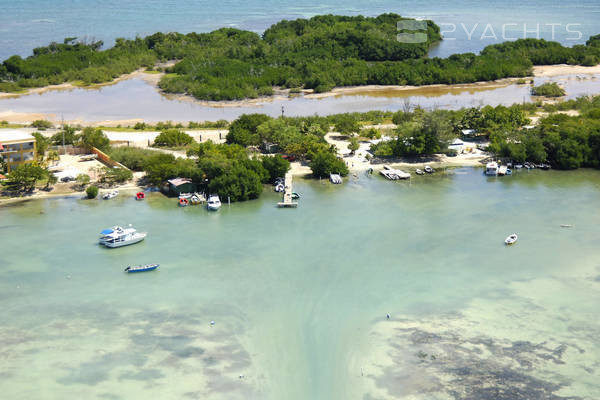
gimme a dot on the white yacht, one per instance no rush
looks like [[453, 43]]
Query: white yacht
[[491, 168], [118, 237], [110, 195], [213, 203]]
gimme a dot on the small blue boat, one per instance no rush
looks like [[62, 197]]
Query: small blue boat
[[141, 268]]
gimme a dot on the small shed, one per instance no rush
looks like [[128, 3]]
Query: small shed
[[180, 185]]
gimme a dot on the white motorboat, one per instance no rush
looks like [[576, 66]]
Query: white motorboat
[[118, 236], [110, 195], [428, 169], [213, 203], [502, 170], [185, 195], [491, 168], [279, 188], [419, 172], [511, 239], [336, 179]]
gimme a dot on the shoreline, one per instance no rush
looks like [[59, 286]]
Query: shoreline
[[297, 170], [41, 195], [283, 94]]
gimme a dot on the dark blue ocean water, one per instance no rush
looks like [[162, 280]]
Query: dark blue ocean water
[[468, 25]]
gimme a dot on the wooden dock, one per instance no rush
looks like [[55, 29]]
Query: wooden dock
[[287, 193]]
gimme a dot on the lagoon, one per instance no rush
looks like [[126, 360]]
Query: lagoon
[[299, 297], [135, 98]]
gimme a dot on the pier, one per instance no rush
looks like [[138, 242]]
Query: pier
[[288, 201]]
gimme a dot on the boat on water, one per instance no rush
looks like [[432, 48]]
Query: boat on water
[[511, 239], [295, 196], [213, 203], [280, 187], [186, 196], [195, 199], [336, 179], [491, 168], [119, 237], [394, 174], [183, 202], [502, 170], [141, 268], [140, 196], [508, 171], [419, 172], [110, 195], [429, 170]]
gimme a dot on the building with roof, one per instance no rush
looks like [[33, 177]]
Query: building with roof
[[16, 148], [177, 186]]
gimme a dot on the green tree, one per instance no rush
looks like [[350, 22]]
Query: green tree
[[41, 143], [244, 130], [548, 89], [276, 167], [92, 192], [237, 183], [347, 124], [67, 133], [324, 163], [115, 175], [353, 146], [41, 124], [25, 176], [173, 138], [83, 179], [94, 137]]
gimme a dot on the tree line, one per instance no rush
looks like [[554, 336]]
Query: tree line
[[317, 53]]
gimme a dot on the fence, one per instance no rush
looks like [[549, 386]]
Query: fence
[[105, 158]]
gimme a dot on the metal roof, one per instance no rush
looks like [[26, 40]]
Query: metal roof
[[9, 135]]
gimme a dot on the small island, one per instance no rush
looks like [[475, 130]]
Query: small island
[[316, 54]]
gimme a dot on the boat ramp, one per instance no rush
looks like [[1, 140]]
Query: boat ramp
[[287, 201], [394, 174]]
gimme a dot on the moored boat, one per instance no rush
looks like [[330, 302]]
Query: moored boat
[[183, 202], [336, 179], [110, 195], [511, 239], [140, 196], [213, 203], [491, 168], [141, 268], [502, 170], [295, 196], [419, 172], [195, 199], [428, 169], [118, 236]]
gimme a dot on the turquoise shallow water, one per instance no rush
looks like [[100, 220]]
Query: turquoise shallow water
[[299, 297], [26, 24]]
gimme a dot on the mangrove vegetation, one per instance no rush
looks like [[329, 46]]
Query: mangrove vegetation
[[317, 53]]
